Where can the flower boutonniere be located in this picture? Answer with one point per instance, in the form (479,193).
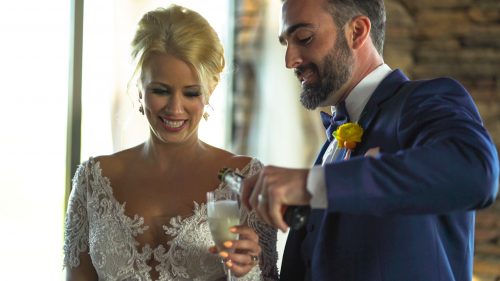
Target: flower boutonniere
(348,135)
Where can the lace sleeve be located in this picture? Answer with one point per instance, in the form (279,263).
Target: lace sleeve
(267,269)
(76,223)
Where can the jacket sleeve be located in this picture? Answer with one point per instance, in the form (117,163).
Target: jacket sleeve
(446,161)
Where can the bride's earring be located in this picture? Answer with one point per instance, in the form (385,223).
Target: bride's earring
(141,107)
(207,110)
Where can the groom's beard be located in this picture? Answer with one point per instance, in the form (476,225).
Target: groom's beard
(337,68)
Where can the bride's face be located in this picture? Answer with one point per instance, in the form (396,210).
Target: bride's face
(173,102)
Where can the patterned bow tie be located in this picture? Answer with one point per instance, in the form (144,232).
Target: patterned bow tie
(332,122)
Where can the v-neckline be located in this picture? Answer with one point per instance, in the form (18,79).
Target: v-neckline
(108,189)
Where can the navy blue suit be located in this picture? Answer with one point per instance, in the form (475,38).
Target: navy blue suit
(409,214)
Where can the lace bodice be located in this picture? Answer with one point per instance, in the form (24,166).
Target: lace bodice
(96,222)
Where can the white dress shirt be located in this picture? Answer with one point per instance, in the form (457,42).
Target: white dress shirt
(355,103)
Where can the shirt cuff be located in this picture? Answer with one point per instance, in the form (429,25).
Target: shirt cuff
(316,185)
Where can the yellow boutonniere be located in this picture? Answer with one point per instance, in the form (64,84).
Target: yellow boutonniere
(348,135)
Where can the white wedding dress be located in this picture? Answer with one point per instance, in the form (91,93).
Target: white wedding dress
(96,222)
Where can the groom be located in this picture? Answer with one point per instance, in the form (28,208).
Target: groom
(397,204)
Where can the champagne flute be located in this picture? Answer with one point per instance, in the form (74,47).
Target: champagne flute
(223,213)
(294,216)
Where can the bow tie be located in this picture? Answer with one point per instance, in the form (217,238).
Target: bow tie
(332,122)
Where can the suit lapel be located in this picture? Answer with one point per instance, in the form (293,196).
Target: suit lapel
(319,159)
(388,87)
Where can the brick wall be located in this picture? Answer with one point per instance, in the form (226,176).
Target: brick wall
(460,39)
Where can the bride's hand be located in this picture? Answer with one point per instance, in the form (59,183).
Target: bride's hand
(246,251)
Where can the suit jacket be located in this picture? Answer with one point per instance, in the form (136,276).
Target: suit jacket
(407,215)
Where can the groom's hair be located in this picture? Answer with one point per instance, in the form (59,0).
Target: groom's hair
(343,11)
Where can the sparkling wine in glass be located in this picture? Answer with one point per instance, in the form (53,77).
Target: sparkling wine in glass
(294,216)
(223,213)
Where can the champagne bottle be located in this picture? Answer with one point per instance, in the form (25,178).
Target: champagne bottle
(294,216)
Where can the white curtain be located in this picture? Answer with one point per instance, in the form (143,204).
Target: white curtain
(111,121)
(282,132)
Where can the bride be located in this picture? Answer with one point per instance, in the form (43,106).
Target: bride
(139,214)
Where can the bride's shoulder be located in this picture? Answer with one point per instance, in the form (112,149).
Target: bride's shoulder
(239,161)
(116,163)
(242,163)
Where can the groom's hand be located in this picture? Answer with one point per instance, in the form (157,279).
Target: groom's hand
(273,189)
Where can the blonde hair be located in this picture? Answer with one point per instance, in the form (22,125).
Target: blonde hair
(182,33)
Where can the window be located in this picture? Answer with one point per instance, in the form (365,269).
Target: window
(34,76)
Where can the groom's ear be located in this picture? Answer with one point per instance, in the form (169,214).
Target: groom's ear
(358,32)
